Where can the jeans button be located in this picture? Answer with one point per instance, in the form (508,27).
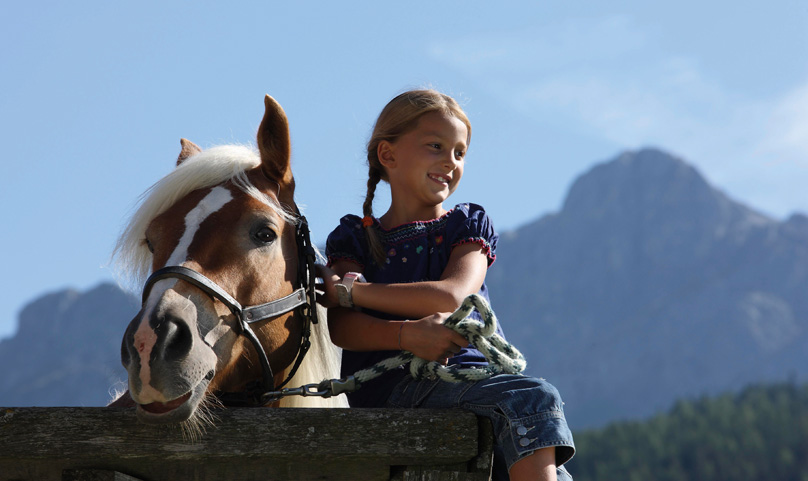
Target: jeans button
(521,430)
(524,442)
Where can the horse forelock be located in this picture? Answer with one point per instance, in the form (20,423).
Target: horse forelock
(206,169)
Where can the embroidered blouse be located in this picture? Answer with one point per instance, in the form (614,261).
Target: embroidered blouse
(417,251)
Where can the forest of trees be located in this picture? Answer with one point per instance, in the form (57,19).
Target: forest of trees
(758,434)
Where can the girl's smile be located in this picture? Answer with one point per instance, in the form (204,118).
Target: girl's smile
(440,178)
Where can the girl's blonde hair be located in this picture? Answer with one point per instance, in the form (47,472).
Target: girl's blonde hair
(399,117)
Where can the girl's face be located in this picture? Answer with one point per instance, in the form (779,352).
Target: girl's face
(424,166)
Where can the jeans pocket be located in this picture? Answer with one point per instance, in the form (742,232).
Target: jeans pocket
(410,393)
(422,390)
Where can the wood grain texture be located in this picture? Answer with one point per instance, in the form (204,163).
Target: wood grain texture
(247,444)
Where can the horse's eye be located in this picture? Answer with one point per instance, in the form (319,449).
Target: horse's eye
(265,235)
(149,245)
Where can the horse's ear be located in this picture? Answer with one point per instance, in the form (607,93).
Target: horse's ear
(274,143)
(188,149)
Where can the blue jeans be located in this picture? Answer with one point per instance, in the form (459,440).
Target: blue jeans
(527,414)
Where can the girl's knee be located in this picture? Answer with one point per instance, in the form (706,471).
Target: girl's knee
(551,396)
(539,394)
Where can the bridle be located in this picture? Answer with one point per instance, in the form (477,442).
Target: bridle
(260,393)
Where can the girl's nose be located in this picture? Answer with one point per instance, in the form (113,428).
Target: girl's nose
(452,161)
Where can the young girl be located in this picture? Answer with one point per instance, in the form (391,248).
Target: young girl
(396,278)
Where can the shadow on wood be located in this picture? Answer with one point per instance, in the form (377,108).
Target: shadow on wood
(84,444)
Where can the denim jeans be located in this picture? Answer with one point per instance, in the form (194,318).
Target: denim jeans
(527,414)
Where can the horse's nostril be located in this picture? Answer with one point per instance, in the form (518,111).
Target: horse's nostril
(174,336)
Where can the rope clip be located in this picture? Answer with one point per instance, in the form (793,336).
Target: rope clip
(325,389)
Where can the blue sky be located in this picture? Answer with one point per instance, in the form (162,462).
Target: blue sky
(94,97)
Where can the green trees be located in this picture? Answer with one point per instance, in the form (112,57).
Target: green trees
(758,434)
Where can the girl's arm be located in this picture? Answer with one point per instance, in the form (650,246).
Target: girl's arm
(428,303)
(464,274)
(427,337)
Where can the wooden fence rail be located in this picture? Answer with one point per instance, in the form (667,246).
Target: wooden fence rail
(246,444)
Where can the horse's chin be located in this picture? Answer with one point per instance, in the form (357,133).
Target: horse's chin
(174,411)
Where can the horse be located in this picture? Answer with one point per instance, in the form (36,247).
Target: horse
(219,232)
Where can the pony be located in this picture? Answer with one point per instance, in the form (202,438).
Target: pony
(219,232)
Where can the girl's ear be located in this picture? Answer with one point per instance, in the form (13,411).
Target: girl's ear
(386,154)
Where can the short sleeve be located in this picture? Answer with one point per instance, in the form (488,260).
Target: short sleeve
(472,225)
(347,242)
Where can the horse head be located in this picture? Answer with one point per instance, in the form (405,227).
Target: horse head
(228,214)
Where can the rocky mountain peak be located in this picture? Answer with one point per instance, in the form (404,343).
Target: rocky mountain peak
(639,181)
(67,348)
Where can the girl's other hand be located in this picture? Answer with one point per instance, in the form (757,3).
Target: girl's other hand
(330,278)
(429,339)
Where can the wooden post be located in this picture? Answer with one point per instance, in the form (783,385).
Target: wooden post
(84,444)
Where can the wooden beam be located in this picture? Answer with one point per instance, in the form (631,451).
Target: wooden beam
(284,444)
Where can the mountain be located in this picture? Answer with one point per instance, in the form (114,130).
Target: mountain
(651,285)
(67,349)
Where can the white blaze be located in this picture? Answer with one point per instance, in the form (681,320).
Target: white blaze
(215,200)
(145,337)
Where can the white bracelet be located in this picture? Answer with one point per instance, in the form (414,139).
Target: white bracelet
(344,288)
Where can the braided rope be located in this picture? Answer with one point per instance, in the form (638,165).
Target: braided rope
(502,356)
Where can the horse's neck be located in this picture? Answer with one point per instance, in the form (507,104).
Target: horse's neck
(321,362)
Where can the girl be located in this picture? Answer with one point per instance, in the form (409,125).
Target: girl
(396,278)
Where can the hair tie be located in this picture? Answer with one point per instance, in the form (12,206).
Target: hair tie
(367,221)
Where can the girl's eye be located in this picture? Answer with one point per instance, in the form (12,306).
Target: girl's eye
(265,235)
(460,155)
(435,146)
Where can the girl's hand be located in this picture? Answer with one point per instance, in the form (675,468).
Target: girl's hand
(330,278)
(429,339)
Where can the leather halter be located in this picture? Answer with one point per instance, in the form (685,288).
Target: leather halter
(304,297)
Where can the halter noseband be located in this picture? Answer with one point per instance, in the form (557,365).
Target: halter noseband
(304,297)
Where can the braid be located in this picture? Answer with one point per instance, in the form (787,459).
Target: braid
(374,242)
(373,181)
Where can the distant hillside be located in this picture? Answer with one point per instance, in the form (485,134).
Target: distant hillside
(650,285)
(760,433)
(67,349)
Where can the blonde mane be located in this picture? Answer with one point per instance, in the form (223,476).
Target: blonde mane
(205,169)
(322,362)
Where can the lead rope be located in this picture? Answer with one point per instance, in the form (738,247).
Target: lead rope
(502,356)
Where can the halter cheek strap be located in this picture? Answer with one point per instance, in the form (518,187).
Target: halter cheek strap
(247,315)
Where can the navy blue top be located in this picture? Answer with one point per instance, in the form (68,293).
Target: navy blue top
(417,251)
